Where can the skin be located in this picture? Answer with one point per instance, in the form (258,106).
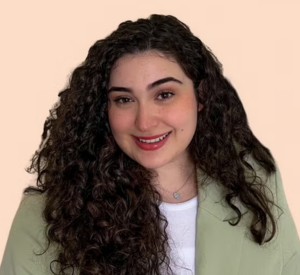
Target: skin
(168,107)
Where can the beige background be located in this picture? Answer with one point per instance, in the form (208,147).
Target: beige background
(43,41)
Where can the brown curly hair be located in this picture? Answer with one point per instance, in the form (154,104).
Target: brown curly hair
(101,207)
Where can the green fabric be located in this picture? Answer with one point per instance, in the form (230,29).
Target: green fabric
(220,247)
(227,250)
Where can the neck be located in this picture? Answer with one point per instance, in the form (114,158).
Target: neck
(177,183)
(189,191)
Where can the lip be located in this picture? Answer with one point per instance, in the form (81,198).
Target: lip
(151,146)
(153,137)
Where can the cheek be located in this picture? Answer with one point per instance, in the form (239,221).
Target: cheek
(184,113)
(119,122)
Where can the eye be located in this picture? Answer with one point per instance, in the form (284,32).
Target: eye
(164,95)
(122,100)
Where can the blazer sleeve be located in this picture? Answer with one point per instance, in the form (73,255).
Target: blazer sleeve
(26,240)
(288,235)
(292,267)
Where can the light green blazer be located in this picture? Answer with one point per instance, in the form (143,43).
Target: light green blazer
(221,249)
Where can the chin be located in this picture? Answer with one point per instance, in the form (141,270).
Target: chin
(151,164)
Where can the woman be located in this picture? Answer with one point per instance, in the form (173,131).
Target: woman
(148,166)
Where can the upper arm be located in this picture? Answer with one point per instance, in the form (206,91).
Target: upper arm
(27,239)
(289,238)
(292,266)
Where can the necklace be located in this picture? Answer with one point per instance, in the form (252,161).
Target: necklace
(176,194)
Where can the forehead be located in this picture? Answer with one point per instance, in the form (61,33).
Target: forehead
(147,66)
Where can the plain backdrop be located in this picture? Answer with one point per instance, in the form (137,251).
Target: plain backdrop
(43,41)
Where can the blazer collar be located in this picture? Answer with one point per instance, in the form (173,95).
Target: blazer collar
(211,196)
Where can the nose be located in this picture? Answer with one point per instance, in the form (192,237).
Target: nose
(146,118)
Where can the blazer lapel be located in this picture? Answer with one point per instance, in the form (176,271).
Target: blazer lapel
(218,244)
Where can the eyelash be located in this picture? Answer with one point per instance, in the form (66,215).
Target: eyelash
(122,98)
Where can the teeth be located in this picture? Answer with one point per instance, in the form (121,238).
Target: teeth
(153,140)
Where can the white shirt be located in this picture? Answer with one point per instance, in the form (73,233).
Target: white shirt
(181,231)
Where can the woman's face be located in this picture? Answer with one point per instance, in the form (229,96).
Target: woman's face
(152,109)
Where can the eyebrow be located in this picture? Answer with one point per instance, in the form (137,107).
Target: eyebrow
(149,86)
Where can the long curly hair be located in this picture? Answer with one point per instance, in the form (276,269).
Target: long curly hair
(100,206)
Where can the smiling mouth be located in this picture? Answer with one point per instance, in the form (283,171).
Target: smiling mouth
(154,140)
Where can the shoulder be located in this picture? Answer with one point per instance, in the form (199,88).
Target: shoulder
(29,214)
(287,235)
(287,231)
(27,239)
